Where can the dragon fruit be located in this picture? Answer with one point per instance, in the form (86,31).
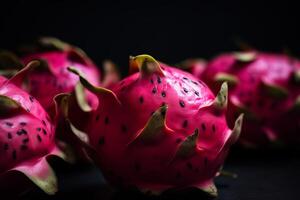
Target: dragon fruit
(27,134)
(266,88)
(54,78)
(158,129)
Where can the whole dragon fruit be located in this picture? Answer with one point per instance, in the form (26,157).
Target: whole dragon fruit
(56,56)
(26,134)
(158,129)
(266,88)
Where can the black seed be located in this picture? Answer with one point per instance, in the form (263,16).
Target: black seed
(205,161)
(14,154)
(38,129)
(213,128)
(197,93)
(154,90)
(185,90)
(31,98)
(101,140)
(45,132)
(9,136)
(97,117)
(181,103)
(106,120)
(151,80)
(141,99)
(5,146)
(158,80)
(185,124)
(23,123)
(185,78)
(123,128)
(39,138)
(178,140)
(163,94)
(44,122)
(217,112)
(203,126)
(23,147)
(178,175)
(195,82)
(25,140)
(9,124)
(21,132)
(27,109)
(189,165)
(137,167)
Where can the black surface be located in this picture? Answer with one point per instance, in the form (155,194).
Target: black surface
(261,175)
(170,31)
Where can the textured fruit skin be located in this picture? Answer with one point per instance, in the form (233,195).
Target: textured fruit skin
(140,129)
(268,118)
(45,84)
(26,135)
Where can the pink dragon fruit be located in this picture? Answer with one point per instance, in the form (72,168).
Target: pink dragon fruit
(158,129)
(26,134)
(56,56)
(266,88)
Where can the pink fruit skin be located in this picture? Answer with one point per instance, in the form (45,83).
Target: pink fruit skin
(12,137)
(44,85)
(26,136)
(116,127)
(269,118)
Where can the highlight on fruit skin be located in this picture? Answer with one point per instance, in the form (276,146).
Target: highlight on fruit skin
(27,134)
(264,86)
(158,129)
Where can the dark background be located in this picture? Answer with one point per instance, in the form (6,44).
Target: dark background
(170,31)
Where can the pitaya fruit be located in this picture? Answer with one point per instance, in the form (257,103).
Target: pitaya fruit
(54,78)
(266,88)
(26,134)
(158,129)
